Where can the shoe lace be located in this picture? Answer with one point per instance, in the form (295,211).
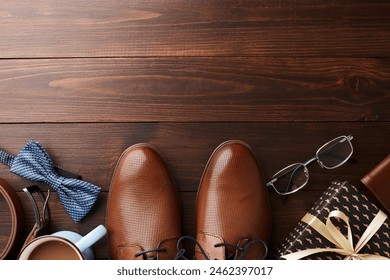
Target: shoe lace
(181,251)
(244,249)
(144,252)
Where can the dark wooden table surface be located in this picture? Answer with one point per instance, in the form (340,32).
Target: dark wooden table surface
(90,78)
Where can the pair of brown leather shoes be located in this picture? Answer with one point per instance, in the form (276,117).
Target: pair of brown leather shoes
(233,210)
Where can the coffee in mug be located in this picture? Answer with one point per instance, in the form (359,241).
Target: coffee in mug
(63,245)
(51,248)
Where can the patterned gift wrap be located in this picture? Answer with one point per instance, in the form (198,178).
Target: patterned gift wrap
(357,209)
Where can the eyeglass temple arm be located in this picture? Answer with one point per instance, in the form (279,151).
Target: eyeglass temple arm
(273,180)
(295,170)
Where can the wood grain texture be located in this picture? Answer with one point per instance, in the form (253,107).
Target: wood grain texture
(90,78)
(97,28)
(194,90)
(92,150)
(296,206)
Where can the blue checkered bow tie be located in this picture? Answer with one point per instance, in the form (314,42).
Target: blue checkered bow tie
(33,163)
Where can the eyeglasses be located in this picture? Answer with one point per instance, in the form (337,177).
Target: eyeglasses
(295,176)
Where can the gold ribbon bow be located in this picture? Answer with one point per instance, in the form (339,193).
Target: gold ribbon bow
(344,246)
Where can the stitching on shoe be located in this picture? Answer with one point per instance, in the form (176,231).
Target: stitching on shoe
(122,247)
(212,235)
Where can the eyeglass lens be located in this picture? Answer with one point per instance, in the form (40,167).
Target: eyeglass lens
(291,178)
(335,153)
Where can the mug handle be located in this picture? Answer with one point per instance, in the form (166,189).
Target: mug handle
(91,238)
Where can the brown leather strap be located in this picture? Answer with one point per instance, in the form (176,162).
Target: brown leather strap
(41,222)
(16,211)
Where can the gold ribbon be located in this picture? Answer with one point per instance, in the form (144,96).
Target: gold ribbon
(344,246)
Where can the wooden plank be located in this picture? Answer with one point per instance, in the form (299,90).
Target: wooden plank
(194,90)
(90,78)
(61,221)
(93,149)
(120,28)
(285,215)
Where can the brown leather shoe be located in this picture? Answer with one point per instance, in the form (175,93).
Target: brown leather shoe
(143,211)
(233,209)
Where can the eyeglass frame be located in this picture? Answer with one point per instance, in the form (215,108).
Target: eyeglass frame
(275,177)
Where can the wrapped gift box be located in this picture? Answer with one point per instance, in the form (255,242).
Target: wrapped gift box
(346,205)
